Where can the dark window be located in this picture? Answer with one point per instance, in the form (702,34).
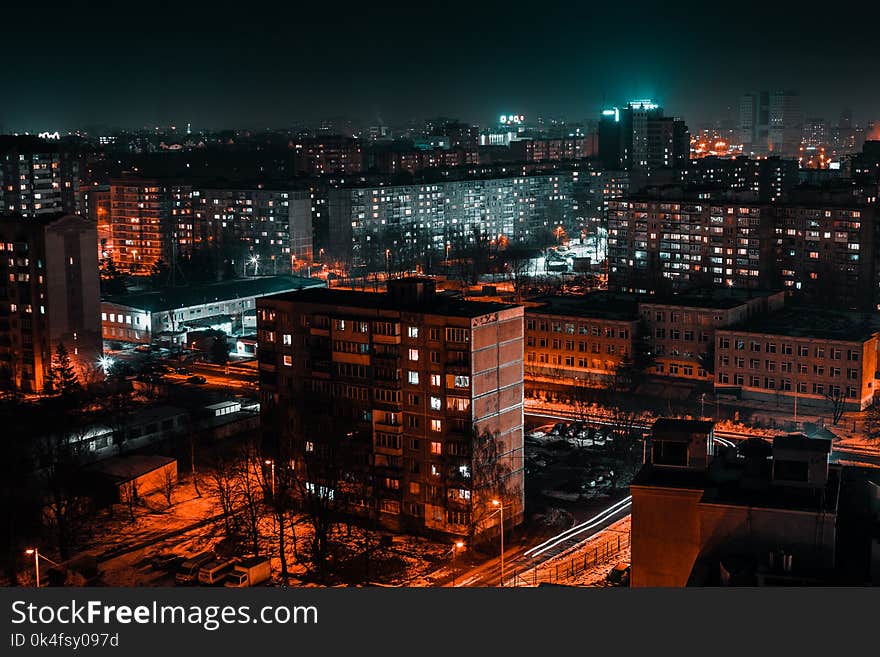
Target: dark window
(669,453)
(789,470)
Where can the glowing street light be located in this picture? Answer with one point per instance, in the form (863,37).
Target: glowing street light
(271,463)
(36,553)
(255,261)
(458,545)
(500,506)
(106,363)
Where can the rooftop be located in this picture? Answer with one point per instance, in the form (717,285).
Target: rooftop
(132,466)
(192,295)
(724,484)
(597,305)
(667,427)
(721,299)
(811,322)
(436,304)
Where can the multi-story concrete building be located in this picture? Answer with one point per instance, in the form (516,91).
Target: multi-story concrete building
(141,227)
(769,179)
(771,122)
(405,388)
(818,246)
(36,179)
(800,356)
(49,294)
(405,220)
(640,139)
(168,314)
(329,154)
(704,515)
(579,341)
(656,244)
(262,230)
(681,329)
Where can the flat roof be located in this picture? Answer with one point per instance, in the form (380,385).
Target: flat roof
(802,442)
(132,466)
(596,305)
(668,427)
(812,322)
(171,298)
(719,298)
(439,303)
(733,492)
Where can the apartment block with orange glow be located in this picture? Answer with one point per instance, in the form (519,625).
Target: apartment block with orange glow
(804,356)
(417,379)
(139,216)
(579,341)
(681,328)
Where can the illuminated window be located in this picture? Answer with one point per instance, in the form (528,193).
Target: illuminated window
(436,425)
(288,360)
(436,448)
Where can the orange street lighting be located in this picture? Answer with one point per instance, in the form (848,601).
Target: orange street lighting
(500,506)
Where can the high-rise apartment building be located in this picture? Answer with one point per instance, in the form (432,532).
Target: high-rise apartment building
(771,122)
(820,247)
(141,225)
(36,179)
(367,225)
(639,138)
(49,293)
(406,405)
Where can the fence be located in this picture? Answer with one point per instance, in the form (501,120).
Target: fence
(566,567)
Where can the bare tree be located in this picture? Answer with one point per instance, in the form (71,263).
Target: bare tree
(128,496)
(837,400)
(247,474)
(169,483)
(226,488)
(494,477)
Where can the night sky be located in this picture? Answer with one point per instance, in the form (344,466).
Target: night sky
(251,64)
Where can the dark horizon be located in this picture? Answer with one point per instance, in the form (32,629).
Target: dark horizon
(220,66)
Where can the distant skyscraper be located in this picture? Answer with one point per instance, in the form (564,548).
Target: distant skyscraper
(771,122)
(640,138)
(786,123)
(754,119)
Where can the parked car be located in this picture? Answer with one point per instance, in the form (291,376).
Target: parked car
(182,370)
(213,572)
(166,561)
(196,378)
(619,575)
(248,572)
(188,572)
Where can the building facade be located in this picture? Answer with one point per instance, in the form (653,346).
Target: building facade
(803,357)
(170,313)
(49,294)
(577,341)
(411,220)
(416,383)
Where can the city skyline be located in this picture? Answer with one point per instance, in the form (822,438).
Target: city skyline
(219,69)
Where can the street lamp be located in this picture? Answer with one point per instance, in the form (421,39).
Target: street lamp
(36,553)
(271,463)
(500,506)
(702,405)
(458,545)
(255,261)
